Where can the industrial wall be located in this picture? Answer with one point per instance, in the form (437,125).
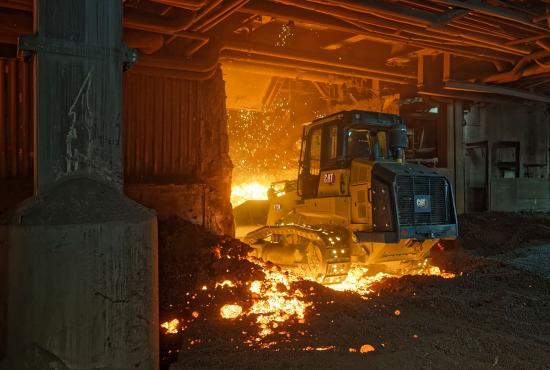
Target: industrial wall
(176,148)
(175,135)
(506,157)
(16,156)
(16,133)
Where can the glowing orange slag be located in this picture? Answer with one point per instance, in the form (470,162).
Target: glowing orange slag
(171,326)
(360,281)
(366,348)
(434,270)
(231,311)
(321,348)
(273,301)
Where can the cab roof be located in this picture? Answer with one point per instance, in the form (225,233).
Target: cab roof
(358,118)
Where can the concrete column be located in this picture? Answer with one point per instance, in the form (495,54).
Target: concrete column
(459,174)
(450,121)
(455,152)
(82,270)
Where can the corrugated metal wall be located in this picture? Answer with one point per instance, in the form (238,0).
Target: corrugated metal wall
(164,121)
(175,133)
(162,129)
(16,131)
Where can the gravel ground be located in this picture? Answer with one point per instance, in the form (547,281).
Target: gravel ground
(495,314)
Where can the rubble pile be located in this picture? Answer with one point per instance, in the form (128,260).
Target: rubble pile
(492,233)
(220,309)
(212,294)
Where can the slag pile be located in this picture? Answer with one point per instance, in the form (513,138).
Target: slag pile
(210,290)
(214,295)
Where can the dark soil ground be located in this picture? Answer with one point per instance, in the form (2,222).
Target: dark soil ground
(493,315)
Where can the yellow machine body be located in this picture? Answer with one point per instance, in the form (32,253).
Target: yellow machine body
(370,209)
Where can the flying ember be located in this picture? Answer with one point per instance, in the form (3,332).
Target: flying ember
(171,326)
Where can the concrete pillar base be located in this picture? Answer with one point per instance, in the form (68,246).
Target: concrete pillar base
(82,280)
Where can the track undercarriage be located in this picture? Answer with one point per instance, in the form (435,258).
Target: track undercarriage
(320,253)
(326,253)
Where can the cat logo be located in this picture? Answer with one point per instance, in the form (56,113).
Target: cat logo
(329,178)
(422,203)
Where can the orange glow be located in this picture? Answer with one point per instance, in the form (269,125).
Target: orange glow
(360,281)
(225,283)
(274,303)
(171,326)
(273,299)
(321,348)
(231,311)
(366,348)
(248,191)
(434,270)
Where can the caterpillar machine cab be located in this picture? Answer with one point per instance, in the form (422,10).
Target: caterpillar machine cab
(356,202)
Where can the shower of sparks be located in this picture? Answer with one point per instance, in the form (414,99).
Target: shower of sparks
(264,148)
(285,35)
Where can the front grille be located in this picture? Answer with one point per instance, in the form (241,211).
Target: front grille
(436,187)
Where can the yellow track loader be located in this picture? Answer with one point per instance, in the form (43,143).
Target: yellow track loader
(356,201)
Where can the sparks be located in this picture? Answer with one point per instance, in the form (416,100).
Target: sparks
(225,283)
(171,326)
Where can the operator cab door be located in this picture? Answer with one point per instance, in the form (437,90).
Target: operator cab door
(361,197)
(310,166)
(321,151)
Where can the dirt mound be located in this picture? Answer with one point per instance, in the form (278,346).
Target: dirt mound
(490,315)
(494,232)
(200,273)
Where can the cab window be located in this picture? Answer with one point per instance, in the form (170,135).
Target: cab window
(362,143)
(315,152)
(358,144)
(333,141)
(383,141)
